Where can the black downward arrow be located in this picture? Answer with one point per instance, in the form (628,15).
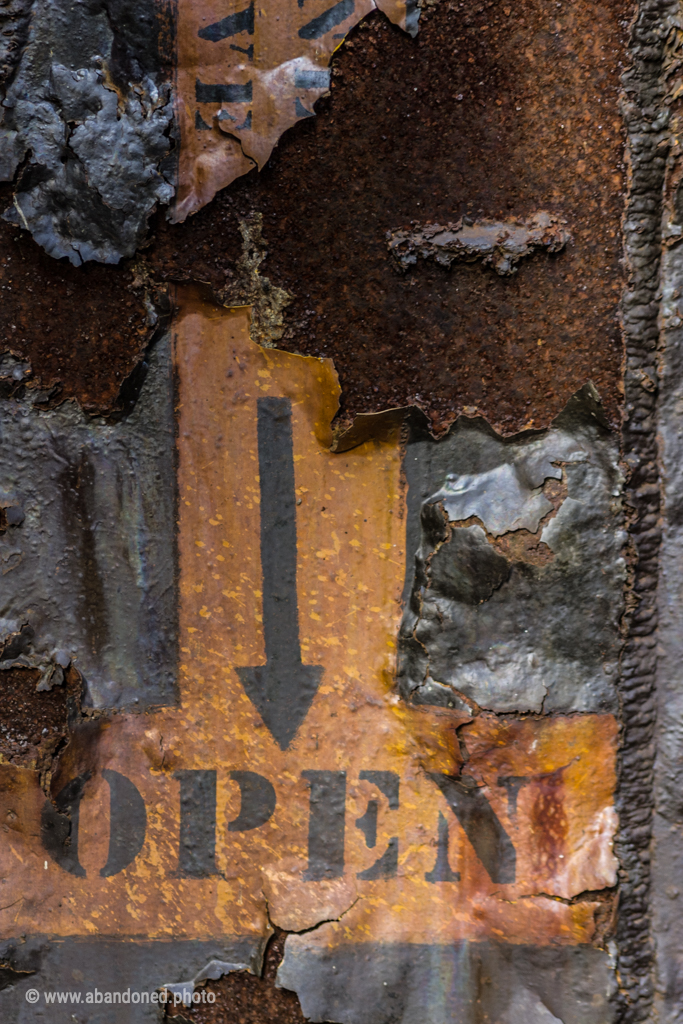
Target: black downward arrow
(283,689)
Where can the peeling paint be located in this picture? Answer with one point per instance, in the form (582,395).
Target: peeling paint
(90,113)
(83,966)
(430,984)
(509,628)
(212,971)
(247,74)
(394,147)
(500,246)
(205,599)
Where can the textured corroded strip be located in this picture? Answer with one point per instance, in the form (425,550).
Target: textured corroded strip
(646,120)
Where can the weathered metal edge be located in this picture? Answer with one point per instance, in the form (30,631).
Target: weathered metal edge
(646,118)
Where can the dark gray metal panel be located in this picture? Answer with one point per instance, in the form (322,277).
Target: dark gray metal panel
(667,862)
(81,965)
(90,568)
(94,152)
(467,983)
(509,632)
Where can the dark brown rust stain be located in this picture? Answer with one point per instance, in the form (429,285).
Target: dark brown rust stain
(549,822)
(243,999)
(81,754)
(77,484)
(83,329)
(496,111)
(33,724)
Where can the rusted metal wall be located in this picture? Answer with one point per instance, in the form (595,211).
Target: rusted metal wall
(339,621)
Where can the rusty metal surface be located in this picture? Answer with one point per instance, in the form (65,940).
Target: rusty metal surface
(402,340)
(537,127)
(34,723)
(246,998)
(483,870)
(497,245)
(102,123)
(83,330)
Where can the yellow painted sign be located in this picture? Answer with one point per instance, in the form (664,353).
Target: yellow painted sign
(290,782)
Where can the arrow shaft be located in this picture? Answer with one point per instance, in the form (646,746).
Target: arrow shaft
(278,530)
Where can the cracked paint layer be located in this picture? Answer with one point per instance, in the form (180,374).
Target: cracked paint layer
(392,135)
(475,540)
(516,594)
(87,114)
(290,785)
(91,110)
(394,146)
(498,245)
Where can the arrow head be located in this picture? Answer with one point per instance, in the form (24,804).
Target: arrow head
(282,694)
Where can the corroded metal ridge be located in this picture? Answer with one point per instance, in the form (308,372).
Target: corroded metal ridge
(646,117)
(667,828)
(498,245)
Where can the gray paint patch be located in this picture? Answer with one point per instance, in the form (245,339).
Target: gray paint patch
(508,632)
(93,152)
(81,965)
(371,983)
(88,574)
